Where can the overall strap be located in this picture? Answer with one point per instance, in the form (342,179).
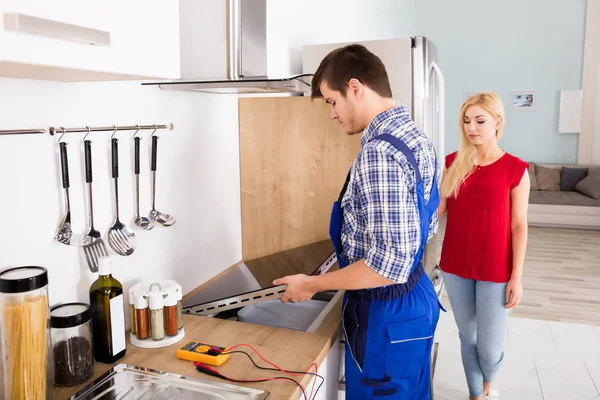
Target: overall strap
(343,192)
(400,145)
(403,147)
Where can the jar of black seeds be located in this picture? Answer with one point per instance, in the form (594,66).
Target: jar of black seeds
(72,343)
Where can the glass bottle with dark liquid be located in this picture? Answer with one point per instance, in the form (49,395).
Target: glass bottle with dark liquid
(108,318)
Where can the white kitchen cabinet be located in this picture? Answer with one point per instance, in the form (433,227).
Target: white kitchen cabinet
(143,39)
(331,369)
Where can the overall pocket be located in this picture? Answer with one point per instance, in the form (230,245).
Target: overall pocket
(407,358)
(408,339)
(407,349)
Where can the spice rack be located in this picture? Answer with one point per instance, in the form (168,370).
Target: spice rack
(156,313)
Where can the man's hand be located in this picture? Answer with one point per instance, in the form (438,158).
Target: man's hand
(299,288)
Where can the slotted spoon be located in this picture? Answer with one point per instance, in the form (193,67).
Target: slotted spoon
(97,249)
(120,238)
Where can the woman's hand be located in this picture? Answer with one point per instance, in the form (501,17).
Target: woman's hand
(514,292)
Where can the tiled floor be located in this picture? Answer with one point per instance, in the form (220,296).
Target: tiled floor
(553,336)
(544,360)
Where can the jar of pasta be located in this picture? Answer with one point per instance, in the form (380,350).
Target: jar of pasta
(27,357)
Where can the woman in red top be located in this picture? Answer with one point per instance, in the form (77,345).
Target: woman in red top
(485,192)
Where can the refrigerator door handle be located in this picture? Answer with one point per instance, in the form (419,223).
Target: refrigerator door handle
(438,106)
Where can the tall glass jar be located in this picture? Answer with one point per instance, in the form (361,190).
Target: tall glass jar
(27,356)
(72,343)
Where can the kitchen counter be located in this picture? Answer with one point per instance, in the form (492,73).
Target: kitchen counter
(289,349)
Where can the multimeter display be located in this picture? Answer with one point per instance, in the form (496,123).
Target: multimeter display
(202,352)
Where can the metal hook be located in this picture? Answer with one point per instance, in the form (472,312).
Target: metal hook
(88,132)
(63,134)
(113,134)
(136,132)
(155,129)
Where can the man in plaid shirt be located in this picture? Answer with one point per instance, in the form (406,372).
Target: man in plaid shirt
(384,216)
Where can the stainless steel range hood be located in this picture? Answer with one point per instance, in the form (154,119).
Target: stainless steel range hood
(294,85)
(246,58)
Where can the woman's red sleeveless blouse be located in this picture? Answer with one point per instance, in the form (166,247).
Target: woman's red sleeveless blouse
(477,243)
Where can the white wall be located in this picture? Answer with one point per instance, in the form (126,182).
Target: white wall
(483,47)
(589,135)
(292,24)
(198,181)
(198,165)
(596,132)
(385,19)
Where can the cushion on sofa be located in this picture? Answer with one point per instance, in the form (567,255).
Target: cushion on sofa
(590,185)
(570,177)
(562,198)
(595,169)
(532,178)
(547,178)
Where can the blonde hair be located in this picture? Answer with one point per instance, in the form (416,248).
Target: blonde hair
(466,158)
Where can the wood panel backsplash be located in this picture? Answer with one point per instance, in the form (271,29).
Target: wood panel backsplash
(294,160)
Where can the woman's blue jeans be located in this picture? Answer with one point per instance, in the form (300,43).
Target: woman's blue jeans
(479,312)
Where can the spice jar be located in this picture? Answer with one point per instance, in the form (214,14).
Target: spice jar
(179,306)
(170,311)
(132,310)
(141,317)
(157,324)
(72,343)
(24,331)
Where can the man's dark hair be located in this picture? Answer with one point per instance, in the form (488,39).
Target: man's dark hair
(345,63)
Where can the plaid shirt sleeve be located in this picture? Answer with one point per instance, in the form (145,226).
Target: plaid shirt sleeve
(390,214)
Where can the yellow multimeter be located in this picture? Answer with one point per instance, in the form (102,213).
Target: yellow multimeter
(202,352)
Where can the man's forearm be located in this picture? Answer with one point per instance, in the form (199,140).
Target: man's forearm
(353,277)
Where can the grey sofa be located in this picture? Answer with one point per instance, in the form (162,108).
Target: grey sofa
(564,195)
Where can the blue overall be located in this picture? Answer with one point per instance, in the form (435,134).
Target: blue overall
(389,330)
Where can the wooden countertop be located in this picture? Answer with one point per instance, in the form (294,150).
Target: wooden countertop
(289,349)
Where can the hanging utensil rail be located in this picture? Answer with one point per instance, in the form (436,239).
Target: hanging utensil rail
(53,130)
(24,132)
